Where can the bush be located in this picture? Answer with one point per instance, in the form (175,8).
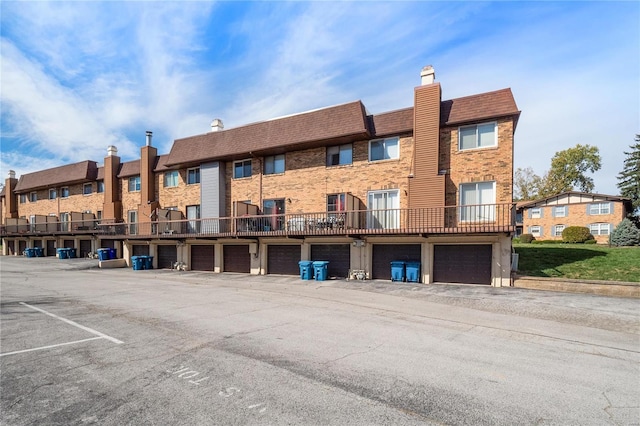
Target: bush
(625,234)
(547,242)
(593,241)
(576,234)
(526,238)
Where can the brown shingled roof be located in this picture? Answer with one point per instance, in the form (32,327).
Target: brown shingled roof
(479,107)
(393,122)
(161,162)
(340,123)
(85,171)
(129,168)
(100,173)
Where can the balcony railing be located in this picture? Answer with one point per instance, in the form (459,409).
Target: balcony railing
(486,218)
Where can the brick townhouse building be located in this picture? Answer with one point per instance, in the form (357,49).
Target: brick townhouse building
(431,183)
(546,218)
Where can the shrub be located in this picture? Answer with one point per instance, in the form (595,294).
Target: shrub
(625,234)
(515,240)
(547,242)
(576,234)
(592,241)
(526,238)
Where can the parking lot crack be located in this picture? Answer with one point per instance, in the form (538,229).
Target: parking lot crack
(352,354)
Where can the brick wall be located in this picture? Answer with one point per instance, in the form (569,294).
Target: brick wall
(179,196)
(75,202)
(130,200)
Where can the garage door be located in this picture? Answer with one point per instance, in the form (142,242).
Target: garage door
(37,243)
(51,248)
(384,254)
(167,256)
(283,259)
(85,248)
(68,244)
(202,258)
(108,244)
(236,259)
(22,246)
(470,264)
(139,250)
(338,255)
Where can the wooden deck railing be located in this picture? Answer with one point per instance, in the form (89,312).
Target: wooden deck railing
(486,218)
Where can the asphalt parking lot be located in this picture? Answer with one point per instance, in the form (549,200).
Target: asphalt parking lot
(80,345)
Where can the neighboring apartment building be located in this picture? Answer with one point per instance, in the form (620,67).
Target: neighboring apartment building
(431,183)
(546,218)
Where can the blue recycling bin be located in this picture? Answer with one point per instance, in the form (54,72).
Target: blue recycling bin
(412,270)
(306,269)
(29,252)
(137,262)
(72,253)
(397,270)
(148,262)
(112,253)
(39,251)
(320,268)
(103,253)
(63,253)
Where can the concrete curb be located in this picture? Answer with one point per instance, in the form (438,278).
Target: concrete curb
(604,288)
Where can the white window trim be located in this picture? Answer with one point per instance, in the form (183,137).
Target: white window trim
(242,161)
(599,212)
(478,211)
(600,226)
(564,211)
(495,136)
(339,148)
(384,140)
(62,190)
(536,212)
(555,230)
(536,230)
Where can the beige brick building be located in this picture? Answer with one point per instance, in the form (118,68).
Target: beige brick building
(430,185)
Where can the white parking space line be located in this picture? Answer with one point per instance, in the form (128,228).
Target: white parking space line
(82,327)
(50,346)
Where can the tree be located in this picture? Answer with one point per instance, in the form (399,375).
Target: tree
(629,177)
(526,184)
(625,234)
(569,168)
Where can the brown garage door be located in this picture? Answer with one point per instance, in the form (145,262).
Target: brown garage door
(202,258)
(470,264)
(37,243)
(236,258)
(108,244)
(140,250)
(22,246)
(384,254)
(51,248)
(283,259)
(167,256)
(85,248)
(68,244)
(338,255)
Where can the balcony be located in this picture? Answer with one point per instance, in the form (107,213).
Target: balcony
(470,219)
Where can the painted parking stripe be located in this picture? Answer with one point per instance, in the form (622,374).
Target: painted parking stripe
(50,346)
(75,324)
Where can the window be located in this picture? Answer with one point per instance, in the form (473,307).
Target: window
(339,155)
(99,215)
(599,208)
(560,211)
(478,201)
(87,189)
(336,202)
(33,197)
(100,186)
(557,230)
(241,169)
(384,209)
(134,184)
(477,136)
(274,164)
(384,149)
(193,176)
(171,179)
(132,216)
(64,221)
(193,213)
(53,194)
(23,198)
(275,210)
(536,231)
(535,213)
(600,228)
(64,192)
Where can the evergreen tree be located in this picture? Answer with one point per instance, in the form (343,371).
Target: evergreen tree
(625,234)
(629,178)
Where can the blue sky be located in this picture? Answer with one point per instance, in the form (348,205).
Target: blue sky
(79,76)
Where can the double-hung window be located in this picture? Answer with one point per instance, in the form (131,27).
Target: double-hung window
(477,201)
(171,179)
(241,169)
(53,194)
(477,136)
(560,211)
(193,176)
(87,189)
(535,213)
(600,208)
(557,230)
(64,192)
(339,155)
(134,184)
(536,231)
(33,197)
(274,164)
(384,149)
(600,228)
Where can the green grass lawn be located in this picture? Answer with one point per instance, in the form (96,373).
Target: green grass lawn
(579,261)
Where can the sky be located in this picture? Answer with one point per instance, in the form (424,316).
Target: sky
(76,77)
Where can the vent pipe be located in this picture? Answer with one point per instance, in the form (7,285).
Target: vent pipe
(217,125)
(112,151)
(428,75)
(149,134)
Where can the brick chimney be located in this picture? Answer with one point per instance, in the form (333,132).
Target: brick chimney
(112,208)
(148,202)
(11,199)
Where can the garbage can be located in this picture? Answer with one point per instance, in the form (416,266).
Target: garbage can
(413,272)
(306,269)
(103,253)
(62,253)
(320,268)
(397,270)
(39,251)
(137,263)
(29,252)
(112,253)
(148,262)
